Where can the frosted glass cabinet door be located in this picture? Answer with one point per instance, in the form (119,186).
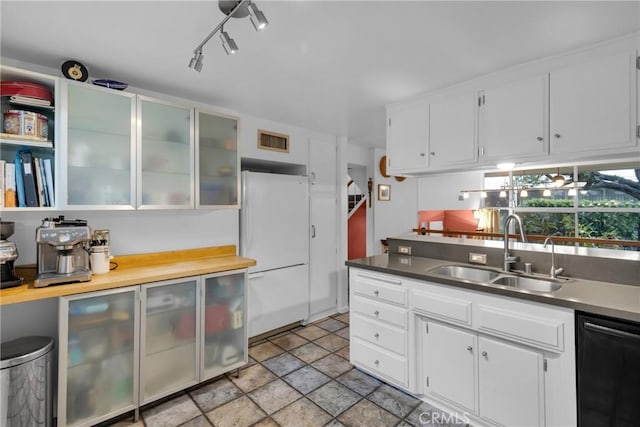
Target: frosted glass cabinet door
(217,160)
(98,356)
(224,323)
(165,157)
(100,147)
(169,338)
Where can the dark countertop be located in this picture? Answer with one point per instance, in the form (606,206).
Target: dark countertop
(605,298)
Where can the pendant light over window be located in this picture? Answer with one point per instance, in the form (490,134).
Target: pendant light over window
(558,180)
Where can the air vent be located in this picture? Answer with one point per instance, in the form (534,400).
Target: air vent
(273,141)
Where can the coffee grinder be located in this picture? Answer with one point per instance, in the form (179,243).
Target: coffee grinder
(8,256)
(63,251)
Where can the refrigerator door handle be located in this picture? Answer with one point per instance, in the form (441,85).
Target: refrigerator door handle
(246,234)
(313,231)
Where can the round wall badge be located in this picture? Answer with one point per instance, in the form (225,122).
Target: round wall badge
(74,70)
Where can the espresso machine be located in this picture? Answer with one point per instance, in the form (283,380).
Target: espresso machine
(8,256)
(63,251)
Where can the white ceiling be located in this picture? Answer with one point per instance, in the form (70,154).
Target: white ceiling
(330,66)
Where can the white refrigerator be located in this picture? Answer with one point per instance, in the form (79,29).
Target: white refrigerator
(274,230)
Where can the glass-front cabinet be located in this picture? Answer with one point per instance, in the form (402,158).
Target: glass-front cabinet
(98,356)
(100,147)
(170,337)
(217,160)
(165,155)
(224,323)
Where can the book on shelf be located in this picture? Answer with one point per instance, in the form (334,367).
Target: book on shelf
(24,162)
(48,174)
(2,185)
(37,173)
(9,185)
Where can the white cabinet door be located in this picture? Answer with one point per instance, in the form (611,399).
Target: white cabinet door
(452,130)
(408,137)
(511,384)
(593,106)
(450,364)
(513,120)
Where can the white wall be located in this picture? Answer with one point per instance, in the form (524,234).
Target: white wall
(397,216)
(442,191)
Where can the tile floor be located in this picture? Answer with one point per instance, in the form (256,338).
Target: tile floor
(299,378)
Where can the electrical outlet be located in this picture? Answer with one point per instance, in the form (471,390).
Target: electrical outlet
(404,250)
(478,258)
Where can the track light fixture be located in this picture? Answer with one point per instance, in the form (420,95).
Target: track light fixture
(233,9)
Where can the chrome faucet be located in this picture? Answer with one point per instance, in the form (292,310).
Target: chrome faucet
(553,272)
(508,259)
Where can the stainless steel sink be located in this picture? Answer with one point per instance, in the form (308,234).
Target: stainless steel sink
(528,283)
(466,273)
(493,277)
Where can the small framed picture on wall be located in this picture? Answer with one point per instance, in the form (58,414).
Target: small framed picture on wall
(384,192)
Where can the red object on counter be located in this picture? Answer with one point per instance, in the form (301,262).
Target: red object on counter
(26,89)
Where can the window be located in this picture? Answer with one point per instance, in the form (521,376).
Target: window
(586,201)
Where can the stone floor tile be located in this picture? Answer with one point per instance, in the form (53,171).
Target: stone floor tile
(274,396)
(344,317)
(306,379)
(171,413)
(265,351)
(312,332)
(344,352)
(252,378)
(359,382)
(200,421)
(393,400)
(365,413)
(212,395)
(334,423)
(309,352)
(289,341)
(302,412)
(332,342)
(332,365)
(344,333)
(283,364)
(334,397)
(331,324)
(241,412)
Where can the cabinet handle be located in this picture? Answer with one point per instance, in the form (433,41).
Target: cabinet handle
(376,293)
(376,362)
(540,138)
(422,154)
(433,153)
(376,335)
(376,313)
(556,135)
(469,348)
(484,354)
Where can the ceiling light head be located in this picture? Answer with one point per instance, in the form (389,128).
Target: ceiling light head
(483,194)
(503,193)
(546,193)
(558,180)
(196,62)
(228,43)
(572,192)
(524,192)
(257,18)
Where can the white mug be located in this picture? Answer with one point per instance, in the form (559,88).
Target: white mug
(100,259)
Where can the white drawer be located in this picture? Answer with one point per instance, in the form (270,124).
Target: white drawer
(378,333)
(518,326)
(380,288)
(380,311)
(388,365)
(442,307)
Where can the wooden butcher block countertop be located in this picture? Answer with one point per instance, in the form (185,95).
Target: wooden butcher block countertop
(134,270)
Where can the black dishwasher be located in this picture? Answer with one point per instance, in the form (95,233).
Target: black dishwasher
(608,364)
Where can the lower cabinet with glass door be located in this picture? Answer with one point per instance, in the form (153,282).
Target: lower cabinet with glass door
(127,347)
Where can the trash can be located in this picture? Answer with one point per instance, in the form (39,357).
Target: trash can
(25,382)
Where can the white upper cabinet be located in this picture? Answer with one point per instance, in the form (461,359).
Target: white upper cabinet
(408,137)
(513,120)
(452,130)
(593,106)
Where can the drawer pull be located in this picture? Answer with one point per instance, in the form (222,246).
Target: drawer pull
(484,354)
(377,362)
(376,335)
(469,348)
(376,313)
(376,293)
